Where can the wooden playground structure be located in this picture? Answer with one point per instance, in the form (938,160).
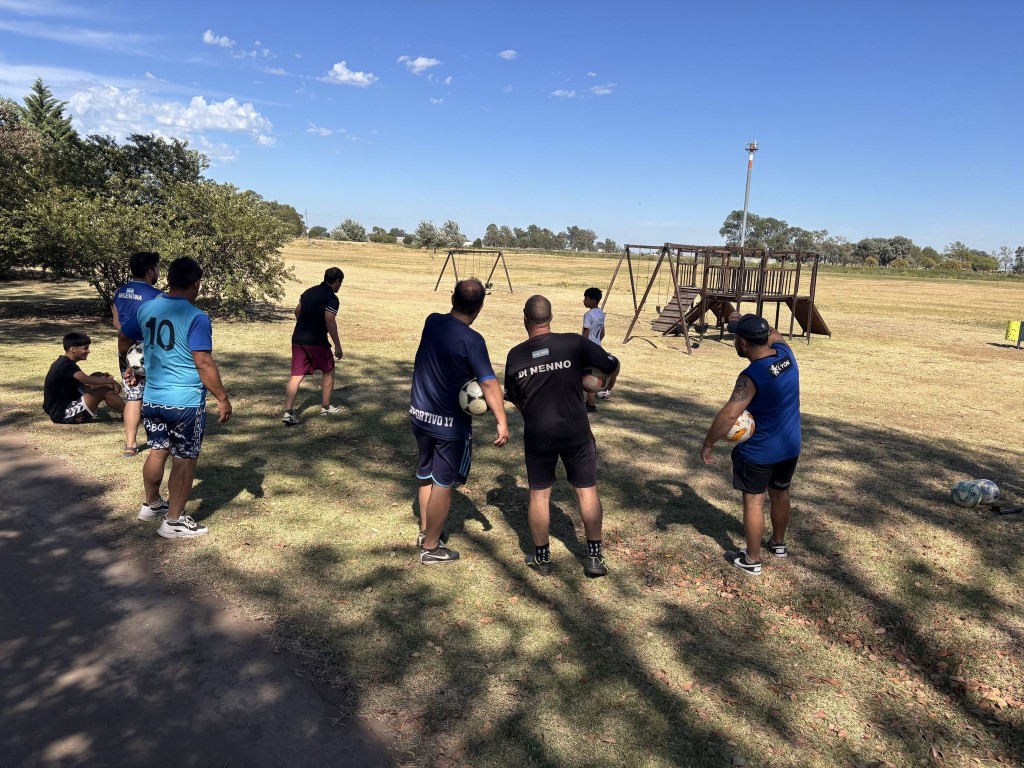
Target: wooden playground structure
(474,254)
(719,279)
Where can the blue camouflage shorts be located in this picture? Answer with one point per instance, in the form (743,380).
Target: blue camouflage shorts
(178,430)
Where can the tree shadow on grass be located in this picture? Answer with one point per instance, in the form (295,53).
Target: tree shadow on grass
(514,502)
(94,651)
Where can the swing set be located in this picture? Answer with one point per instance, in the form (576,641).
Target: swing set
(473,258)
(718,280)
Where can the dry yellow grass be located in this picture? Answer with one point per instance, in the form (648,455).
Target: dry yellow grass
(892,633)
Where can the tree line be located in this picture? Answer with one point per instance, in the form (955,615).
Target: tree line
(78,207)
(449,235)
(767,233)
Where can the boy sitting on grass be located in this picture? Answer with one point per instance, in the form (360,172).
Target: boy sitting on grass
(71,397)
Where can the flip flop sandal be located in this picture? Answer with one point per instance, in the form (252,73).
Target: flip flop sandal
(129,452)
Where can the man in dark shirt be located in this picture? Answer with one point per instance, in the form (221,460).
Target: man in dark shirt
(449,354)
(69,395)
(543,378)
(769,387)
(316,316)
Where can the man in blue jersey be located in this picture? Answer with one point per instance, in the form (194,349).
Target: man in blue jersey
(769,387)
(178,341)
(145,269)
(450,353)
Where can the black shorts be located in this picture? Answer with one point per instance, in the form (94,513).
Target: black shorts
(580,462)
(443,462)
(758,478)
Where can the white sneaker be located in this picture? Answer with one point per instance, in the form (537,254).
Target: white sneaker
(604,394)
(155,511)
(329,410)
(289,419)
(182,528)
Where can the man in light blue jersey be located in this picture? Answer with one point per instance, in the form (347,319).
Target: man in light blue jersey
(180,369)
(145,269)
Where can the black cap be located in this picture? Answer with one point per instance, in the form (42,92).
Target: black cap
(750,327)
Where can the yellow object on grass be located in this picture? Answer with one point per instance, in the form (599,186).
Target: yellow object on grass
(1013,330)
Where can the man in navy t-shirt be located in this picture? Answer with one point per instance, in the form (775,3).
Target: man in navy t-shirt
(770,389)
(145,269)
(450,353)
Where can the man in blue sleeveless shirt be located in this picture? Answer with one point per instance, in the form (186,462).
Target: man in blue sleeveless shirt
(770,389)
(145,269)
(180,368)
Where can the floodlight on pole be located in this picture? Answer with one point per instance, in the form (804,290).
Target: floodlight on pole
(751,148)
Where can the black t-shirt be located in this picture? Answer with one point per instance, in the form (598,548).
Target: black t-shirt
(311,327)
(60,388)
(543,378)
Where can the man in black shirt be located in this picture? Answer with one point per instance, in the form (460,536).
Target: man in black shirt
(315,317)
(543,379)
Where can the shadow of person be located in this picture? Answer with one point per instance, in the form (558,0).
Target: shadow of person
(462,511)
(218,484)
(513,502)
(683,506)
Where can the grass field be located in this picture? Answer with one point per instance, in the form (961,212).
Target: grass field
(893,634)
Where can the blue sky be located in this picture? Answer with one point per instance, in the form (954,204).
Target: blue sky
(874,118)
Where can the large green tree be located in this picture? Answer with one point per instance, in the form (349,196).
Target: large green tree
(236,237)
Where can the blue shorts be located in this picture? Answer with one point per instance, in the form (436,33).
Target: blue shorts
(580,462)
(758,478)
(178,430)
(444,462)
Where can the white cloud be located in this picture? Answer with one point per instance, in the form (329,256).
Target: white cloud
(41,8)
(447,80)
(436,101)
(507,88)
(125,42)
(340,74)
(275,71)
(220,40)
(564,94)
(108,110)
(316,129)
(591,74)
(259,51)
(509,55)
(419,65)
(602,90)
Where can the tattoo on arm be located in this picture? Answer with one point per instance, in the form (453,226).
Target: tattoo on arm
(742,389)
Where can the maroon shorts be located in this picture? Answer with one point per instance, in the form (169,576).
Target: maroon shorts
(306,359)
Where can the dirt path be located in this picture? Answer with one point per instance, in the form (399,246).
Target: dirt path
(103,664)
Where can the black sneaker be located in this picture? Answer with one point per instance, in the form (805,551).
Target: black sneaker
(593,566)
(440,554)
(591,408)
(542,567)
(739,559)
(421,536)
(779,550)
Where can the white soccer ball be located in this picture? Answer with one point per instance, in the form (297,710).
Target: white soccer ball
(136,359)
(742,428)
(966,493)
(989,491)
(471,398)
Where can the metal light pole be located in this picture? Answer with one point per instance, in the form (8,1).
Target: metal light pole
(751,148)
